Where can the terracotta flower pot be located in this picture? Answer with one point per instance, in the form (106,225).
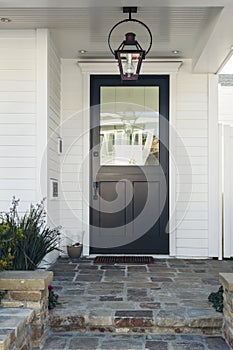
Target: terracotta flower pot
(74,251)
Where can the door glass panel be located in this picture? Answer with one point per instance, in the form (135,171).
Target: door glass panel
(129,125)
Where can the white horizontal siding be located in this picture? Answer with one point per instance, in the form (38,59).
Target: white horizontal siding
(192,126)
(192,164)
(194,243)
(226,104)
(54,115)
(17,117)
(12,85)
(194,234)
(71,205)
(18,129)
(17,150)
(15,184)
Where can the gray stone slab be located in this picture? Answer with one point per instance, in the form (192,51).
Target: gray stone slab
(188,346)
(55,342)
(216,343)
(156,345)
(121,344)
(82,343)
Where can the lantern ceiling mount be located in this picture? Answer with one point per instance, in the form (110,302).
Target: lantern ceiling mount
(130,53)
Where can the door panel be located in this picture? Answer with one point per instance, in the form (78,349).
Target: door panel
(108,194)
(129,165)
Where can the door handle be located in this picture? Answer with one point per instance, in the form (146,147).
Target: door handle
(95,190)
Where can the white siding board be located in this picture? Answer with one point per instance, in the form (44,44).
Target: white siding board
(20,162)
(184,160)
(190,133)
(196,188)
(192,167)
(71,205)
(192,151)
(192,215)
(70,186)
(191,124)
(11,107)
(192,243)
(194,141)
(195,179)
(18,96)
(18,129)
(27,194)
(15,184)
(193,225)
(192,115)
(17,119)
(53,127)
(17,140)
(191,252)
(194,206)
(18,54)
(73,196)
(13,86)
(72,157)
(17,150)
(226,104)
(25,64)
(17,173)
(17,74)
(194,197)
(199,234)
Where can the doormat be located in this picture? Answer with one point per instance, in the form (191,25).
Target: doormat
(124,260)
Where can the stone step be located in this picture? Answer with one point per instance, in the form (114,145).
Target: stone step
(92,341)
(14,328)
(137,321)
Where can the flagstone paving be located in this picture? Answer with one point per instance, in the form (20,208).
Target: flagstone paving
(128,303)
(85,341)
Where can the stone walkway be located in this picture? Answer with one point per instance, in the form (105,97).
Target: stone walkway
(134,342)
(133,305)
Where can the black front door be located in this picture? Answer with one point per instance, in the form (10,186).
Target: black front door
(129,165)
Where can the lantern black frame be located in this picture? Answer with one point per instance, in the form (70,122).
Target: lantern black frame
(121,49)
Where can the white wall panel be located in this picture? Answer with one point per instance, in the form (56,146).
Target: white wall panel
(72,202)
(17,117)
(53,129)
(226,104)
(192,127)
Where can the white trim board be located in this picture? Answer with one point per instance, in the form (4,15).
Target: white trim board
(104,67)
(41,112)
(214,178)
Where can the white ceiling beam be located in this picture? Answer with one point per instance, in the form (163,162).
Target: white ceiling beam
(218,45)
(111,3)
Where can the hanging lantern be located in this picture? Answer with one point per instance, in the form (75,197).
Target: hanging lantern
(130,53)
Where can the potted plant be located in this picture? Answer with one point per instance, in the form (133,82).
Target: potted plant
(74,251)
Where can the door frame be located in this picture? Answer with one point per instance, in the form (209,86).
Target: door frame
(155,67)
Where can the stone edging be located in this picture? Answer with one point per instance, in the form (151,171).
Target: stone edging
(28,292)
(226,280)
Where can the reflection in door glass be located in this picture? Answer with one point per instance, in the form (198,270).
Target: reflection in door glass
(129,125)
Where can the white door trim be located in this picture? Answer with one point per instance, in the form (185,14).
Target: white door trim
(154,67)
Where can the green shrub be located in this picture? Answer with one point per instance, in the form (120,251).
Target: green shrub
(216,298)
(10,235)
(28,237)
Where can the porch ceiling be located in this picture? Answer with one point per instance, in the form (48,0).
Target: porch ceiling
(200,30)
